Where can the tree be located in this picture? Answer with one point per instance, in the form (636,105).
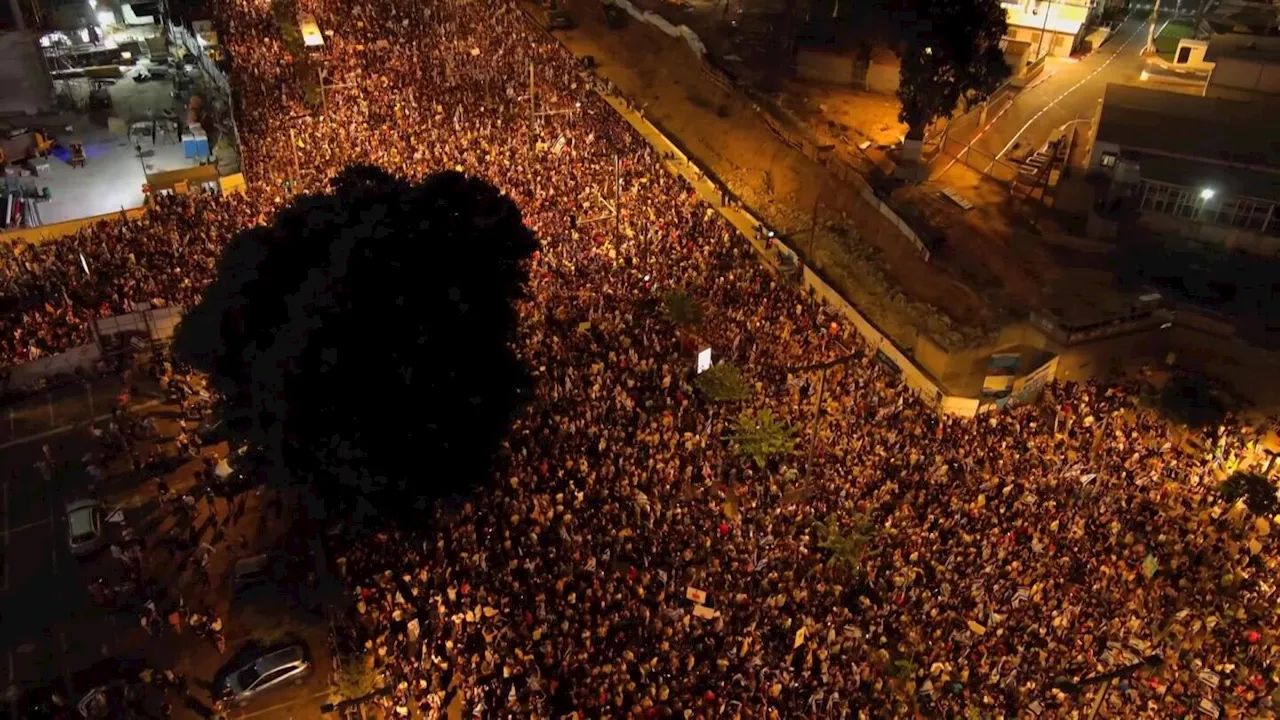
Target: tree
(1190,400)
(683,310)
(846,544)
(760,436)
(368,335)
(355,677)
(723,383)
(1258,493)
(951,58)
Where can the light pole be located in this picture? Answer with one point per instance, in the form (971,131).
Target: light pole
(1151,29)
(815,423)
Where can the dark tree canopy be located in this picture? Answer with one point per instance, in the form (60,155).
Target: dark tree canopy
(1258,493)
(369,333)
(1190,400)
(951,57)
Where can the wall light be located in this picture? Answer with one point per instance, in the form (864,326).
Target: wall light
(1207,194)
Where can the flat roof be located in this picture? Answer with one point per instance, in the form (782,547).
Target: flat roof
(1192,126)
(1224,180)
(1243,46)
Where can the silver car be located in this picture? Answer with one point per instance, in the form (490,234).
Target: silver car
(84,526)
(264,672)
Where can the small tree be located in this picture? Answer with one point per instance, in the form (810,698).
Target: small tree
(1258,493)
(723,383)
(846,546)
(355,678)
(760,436)
(951,57)
(682,309)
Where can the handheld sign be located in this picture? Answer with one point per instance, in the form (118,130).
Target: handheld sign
(704,361)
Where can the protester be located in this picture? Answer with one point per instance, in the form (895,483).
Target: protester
(1060,540)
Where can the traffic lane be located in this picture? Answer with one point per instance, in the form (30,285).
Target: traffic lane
(1111,63)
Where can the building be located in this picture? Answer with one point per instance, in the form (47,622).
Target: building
(1051,27)
(1245,67)
(1201,167)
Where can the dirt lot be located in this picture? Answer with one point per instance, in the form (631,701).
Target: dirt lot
(876,269)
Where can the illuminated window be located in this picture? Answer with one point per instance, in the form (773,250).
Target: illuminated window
(1108,159)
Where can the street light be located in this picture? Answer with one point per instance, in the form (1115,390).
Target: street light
(1207,194)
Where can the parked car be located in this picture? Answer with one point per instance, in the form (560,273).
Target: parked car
(254,570)
(263,672)
(85,520)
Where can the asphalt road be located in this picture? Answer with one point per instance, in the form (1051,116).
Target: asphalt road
(50,632)
(1072,92)
(48,627)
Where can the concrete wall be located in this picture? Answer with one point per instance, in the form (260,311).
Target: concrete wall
(45,233)
(1057,44)
(825,67)
(1195,54)
(1232,238)
(1238,74)
(883,76)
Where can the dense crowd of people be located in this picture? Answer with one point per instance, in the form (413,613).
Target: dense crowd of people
(627,561)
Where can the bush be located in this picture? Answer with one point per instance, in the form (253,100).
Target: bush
(723,383)
(761,436)
(1258,493)
(682,309)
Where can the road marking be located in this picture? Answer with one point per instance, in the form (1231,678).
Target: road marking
(273,708)
(6,550)
(13,688)
(46,434)
(53,551)
(1071,89)
(66,663)
(20,528)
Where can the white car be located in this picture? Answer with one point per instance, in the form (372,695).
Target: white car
(85,519)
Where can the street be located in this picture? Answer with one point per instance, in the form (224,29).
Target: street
(52,635)
(1073,92)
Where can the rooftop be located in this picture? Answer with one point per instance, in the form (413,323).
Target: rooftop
(1190,126)
(1260,48)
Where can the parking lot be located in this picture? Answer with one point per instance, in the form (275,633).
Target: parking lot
(51,632)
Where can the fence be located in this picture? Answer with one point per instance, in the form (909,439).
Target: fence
(963,152)
(677,31)
(968,124)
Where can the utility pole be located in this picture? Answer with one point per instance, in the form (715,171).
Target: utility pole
(1151,29)
(1107,679)
(1044,26)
